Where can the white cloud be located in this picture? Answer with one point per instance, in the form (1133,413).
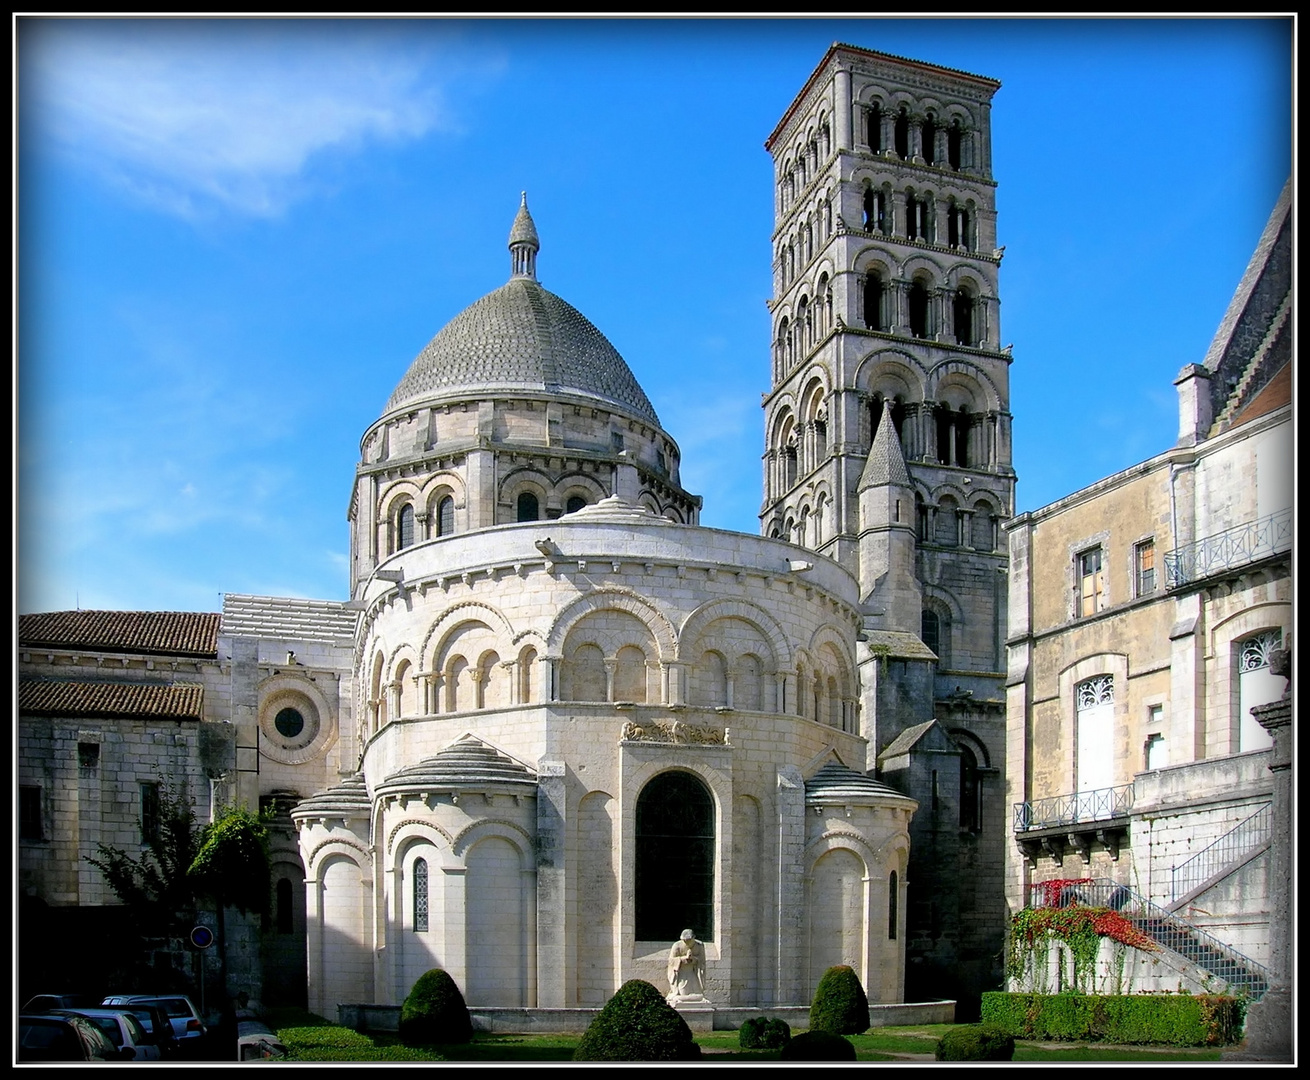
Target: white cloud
(192,113)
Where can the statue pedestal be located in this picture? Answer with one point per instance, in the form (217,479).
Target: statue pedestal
(698,1012)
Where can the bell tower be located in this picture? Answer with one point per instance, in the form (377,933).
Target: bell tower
(886,314)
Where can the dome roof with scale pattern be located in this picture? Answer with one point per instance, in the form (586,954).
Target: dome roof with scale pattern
(522,338)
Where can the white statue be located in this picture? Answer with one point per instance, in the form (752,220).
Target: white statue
(686,969)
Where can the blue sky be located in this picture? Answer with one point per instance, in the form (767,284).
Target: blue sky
(235,236)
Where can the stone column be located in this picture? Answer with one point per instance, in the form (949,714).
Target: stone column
(553,962)
(842,109)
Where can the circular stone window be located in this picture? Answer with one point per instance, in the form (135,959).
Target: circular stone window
(289,723)
(295,720)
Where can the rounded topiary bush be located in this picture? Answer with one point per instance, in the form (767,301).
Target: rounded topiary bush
(840,1005)
(764,1033)
(818,1046)
(637,1024)
(435,1012)
(975,1042)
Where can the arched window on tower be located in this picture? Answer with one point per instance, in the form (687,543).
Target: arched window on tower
(674,865)
(875,301)
(875,415)
(446,516)
(918,305)
(929,139)
(955,145)
(405,527)
(529,509)
(962,311)
(962,423)
(874,129)
(902,133)
(789,465)
(970,790)
(916,217)
(575,503)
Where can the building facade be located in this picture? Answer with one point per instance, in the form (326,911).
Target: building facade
(1144,611)
(887,428)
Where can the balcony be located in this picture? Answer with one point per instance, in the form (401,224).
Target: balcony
(1233,548)
(1073,822)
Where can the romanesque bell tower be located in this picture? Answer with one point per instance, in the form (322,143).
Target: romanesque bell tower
(888,437)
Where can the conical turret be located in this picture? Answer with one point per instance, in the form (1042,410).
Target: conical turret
(887,536)
(523,243)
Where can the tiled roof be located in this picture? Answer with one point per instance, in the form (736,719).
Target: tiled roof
(349,799)
(169,633)
(522,337)
(835,782)
(288,618)
(38,697)
(466,763)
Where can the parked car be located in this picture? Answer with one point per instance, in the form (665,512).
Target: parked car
(158,1026)
(45,1002)
(47,1037)
(124,1030)
(181,1011)
(256,1041)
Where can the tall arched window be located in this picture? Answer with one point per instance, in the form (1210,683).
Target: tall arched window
(446,516)
(285,913)
(1094,718)
(962,309)
(528,507)
(405,527)
(675,859)
(575,503)
(970,790)
(420,895)
(918,301)
(954,143)
(929,139)
(892,906)
(874,293)
(874,134)
(902,133)
(1257,685)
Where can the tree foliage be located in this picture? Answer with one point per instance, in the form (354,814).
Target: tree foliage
(840,1004)
(232,866)
(434,1012)
(637,1024)
(156,885)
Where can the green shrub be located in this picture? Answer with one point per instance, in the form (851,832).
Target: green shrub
(818,1046)
(975,1042)
(328,1037)
(637,1024)
(764,1033)
(840,1005)
(435,1012)
(1170,1019)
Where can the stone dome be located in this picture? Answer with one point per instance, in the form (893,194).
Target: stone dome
(522,338)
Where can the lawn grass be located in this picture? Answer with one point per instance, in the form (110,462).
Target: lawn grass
(312,1038)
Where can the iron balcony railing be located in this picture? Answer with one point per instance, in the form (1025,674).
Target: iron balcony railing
(1238,546)
(1103,804)
(1240,840)
(1241,973)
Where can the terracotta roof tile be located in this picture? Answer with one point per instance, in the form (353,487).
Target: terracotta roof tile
(172,633)
(38,697)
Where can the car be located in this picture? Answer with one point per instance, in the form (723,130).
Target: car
(45,1002)
(256,1041)
(157,1024)
(179,1008)
(48,1037)
(122,1029)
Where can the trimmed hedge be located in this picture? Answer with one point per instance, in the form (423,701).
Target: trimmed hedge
(434,1012)
(975,1042)
(840,1005)
(1170,1019)
(764,1033)
(818,1046)
(637,1024)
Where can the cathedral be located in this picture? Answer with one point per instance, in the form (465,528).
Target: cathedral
(558,721)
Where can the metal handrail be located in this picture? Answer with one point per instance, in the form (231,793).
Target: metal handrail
(1103,804)
(1166,929)
(1238,546)
(1240,840)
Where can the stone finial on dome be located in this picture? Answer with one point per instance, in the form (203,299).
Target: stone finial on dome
(523,243)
